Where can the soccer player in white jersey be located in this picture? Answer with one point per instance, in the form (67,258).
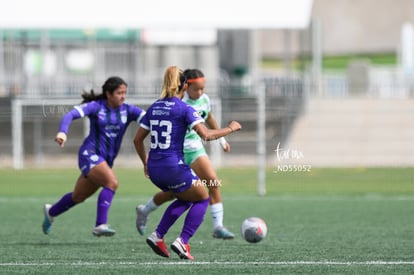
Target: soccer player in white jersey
(196,157)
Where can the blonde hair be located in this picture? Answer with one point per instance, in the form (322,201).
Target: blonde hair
(172,82)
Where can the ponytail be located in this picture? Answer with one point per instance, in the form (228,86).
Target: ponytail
(174,80)
(91,96)
(110,85)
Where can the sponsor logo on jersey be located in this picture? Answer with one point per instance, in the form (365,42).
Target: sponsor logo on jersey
(166,103)
(160,113)
(112,127)
(111,135)
(176,186)
(102,115)
(203,114)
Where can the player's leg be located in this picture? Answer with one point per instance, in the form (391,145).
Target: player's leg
(188,195)
(167,178)
(198,195)
(170,216)
(203,167)
(82,190)
(143,210)
(101,174)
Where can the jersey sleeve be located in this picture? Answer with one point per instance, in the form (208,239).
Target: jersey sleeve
(144,122)
(192,117)
(136,114)
(88,108)
(78,111)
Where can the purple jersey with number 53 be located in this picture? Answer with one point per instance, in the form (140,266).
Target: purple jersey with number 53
(168,120)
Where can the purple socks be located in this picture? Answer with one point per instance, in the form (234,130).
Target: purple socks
(193,220)
(104,202)
(171,214)
(64,204)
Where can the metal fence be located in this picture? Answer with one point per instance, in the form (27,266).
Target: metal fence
(32,121)
(45,96)
(373,82)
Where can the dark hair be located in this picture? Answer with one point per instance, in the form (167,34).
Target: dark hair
(193,73)
(183,80)
(110,85)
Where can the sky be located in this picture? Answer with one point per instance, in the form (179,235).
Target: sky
(156,14)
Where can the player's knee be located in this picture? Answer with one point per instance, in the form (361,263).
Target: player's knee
(213,188)
(112,184)
(203,194)
(204,202)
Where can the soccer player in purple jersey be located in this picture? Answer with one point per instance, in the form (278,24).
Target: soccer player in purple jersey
(167,121)
(109,118)
(195,155)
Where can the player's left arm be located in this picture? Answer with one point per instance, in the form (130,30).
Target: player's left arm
(212,124)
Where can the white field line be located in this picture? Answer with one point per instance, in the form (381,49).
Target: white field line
(282,263)
(140,199)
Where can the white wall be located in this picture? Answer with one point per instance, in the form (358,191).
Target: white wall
(351,26)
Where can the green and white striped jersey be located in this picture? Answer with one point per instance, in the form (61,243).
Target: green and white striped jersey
(202,105)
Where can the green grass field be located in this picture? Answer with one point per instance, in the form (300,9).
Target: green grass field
(327,221)
(334,62)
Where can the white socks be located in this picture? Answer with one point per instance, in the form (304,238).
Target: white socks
(149,207)
(217,214)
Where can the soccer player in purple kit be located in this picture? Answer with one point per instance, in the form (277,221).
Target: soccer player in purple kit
(167,121)
(196,157)
(109,118)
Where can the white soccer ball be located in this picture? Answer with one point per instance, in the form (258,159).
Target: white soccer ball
(253,229)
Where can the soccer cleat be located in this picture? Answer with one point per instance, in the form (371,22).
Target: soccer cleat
(103,230)
(141,221)
(222,233)
(182,250)
(48,220)
(158,245)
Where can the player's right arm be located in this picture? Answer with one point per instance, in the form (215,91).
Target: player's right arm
(140,147)
(77,112)
(139,138)
(67,118)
